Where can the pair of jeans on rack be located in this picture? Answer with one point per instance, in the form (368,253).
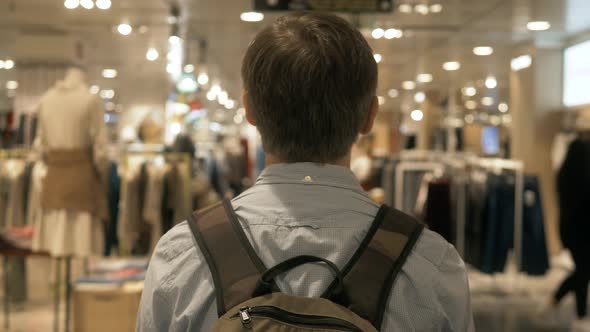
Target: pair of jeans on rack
(498,224)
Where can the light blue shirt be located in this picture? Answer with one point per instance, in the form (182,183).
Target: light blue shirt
(306,209)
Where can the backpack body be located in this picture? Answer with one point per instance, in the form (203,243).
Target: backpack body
(249,300)
(285,313)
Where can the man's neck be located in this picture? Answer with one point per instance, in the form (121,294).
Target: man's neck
(345,161)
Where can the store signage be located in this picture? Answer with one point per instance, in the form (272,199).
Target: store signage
(355,6)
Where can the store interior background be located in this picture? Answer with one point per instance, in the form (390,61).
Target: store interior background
(165,67)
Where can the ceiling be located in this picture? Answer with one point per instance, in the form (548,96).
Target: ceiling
(428,42)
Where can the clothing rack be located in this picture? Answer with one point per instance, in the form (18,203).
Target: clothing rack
(155,153)
(518,168)
(420,160)
(15,153)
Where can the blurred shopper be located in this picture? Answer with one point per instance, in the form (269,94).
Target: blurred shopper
(310,88)
(573,185)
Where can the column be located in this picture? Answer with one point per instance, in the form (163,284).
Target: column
(535,103)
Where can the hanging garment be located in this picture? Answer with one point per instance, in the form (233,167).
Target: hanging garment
(113,199)
(15,214)
(34,211)
(152,207)
(129,209)
(412,181)
(5,190)
(498,223)
(499,226)
(12,182)
(535,258)
(438,214)
(27,184)
(474,225)
(388,182)
(167,212)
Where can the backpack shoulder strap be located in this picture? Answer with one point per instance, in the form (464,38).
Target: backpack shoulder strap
(371,272)
(233,263)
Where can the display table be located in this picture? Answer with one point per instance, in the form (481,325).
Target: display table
(9,250)
(106,309)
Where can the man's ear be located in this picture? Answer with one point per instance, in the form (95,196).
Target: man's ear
(249,111)
(368,126)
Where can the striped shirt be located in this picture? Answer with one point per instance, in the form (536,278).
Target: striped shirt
(306,209)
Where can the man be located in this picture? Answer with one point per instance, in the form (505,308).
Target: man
(309,87)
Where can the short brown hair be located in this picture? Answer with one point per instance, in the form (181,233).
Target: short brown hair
(310,80)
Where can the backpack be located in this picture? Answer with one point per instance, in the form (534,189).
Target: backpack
(249,300)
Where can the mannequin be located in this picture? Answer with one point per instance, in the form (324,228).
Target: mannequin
(74,77)
(71,138)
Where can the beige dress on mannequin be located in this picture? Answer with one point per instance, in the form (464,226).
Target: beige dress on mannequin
(70,118)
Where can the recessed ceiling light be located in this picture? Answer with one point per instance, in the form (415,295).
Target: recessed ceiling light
(422,9)
(436,8)
(495,120)
(107,94)
(491,82)
(420,97)
(94,89)
(393,93)
(71,4)
(487,101)
(408,85)
(11,85)
(222,97)
(417,115)
(538,25)
(393,33)
(174,40)
(203,78)
(215,89)
(452,65)
(405,8)
(377,33)
(103,4)
(230,104)
(469,91)
(252,16)
(521,62)
(124,29)
(8,64)
(424,78)
(378,57)
(88,4)
(483,50)
(469,118)
(503,107)
(471,104)
(109,73)
(152,54)
(110,106)
(189,68)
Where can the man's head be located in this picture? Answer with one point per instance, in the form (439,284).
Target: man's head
(310,81)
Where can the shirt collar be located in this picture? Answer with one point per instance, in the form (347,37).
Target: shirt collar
(310,174)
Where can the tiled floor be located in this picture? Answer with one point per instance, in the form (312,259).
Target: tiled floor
(500,303)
